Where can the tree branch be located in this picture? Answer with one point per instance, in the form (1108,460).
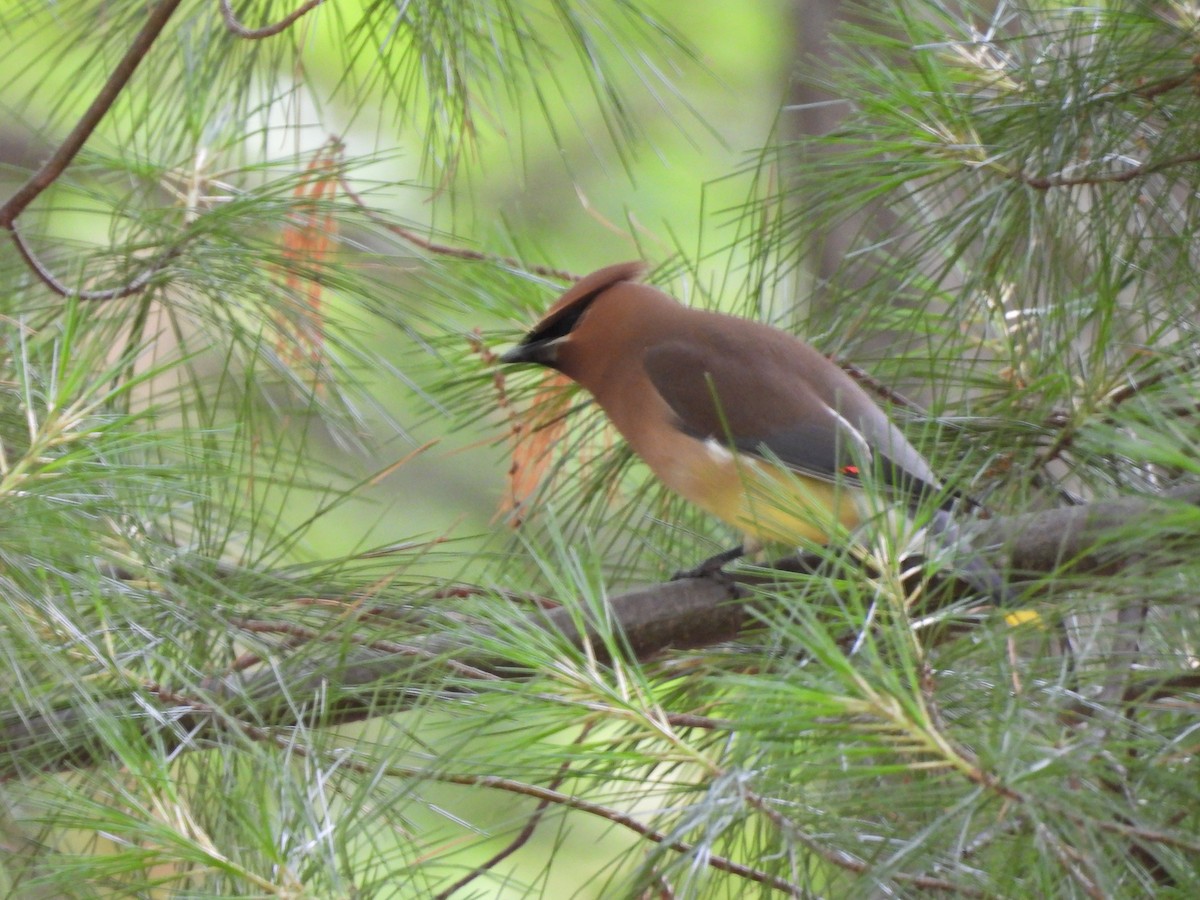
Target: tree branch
(61,158)
(522,837)
(1049,182)
(1042,541)
(373,678)
(48,278)
(266,31)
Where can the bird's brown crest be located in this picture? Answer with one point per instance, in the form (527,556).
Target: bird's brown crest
(586,288)
(562,316)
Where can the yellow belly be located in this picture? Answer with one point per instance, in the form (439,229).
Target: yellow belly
(768,503)
(778,506)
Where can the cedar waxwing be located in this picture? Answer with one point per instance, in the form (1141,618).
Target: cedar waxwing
(742,419)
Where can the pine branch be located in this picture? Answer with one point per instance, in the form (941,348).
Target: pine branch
(373,680)
(107,96)
(265,31)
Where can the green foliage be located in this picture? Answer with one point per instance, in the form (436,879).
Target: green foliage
(210,691)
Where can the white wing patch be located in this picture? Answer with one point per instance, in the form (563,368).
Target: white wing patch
(718,451)
(855,435)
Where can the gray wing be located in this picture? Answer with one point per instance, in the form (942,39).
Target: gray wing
(792,405)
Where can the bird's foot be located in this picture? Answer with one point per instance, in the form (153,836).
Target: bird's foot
(711,566)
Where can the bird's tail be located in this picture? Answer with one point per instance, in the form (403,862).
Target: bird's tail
(968,563)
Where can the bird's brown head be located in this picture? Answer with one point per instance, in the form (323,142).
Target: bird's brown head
(552,342)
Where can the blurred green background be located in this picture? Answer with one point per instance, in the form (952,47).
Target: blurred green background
(574,199)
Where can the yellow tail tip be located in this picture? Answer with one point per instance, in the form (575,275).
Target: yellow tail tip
(1019,617)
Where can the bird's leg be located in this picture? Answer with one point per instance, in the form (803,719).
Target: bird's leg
(713,565)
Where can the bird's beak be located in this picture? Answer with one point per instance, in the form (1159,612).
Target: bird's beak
(542,353)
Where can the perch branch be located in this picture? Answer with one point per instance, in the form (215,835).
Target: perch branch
(373,678)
